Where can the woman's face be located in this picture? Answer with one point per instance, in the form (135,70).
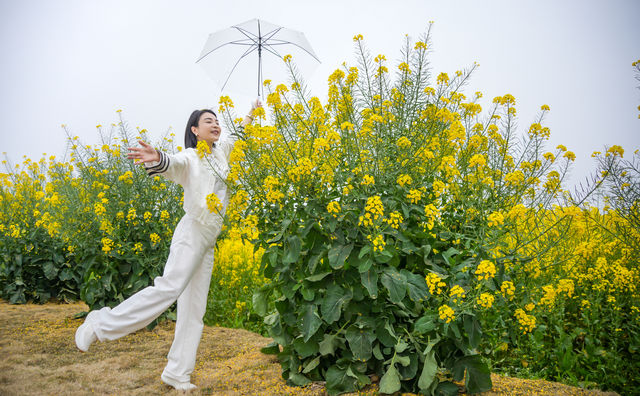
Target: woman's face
(208,128)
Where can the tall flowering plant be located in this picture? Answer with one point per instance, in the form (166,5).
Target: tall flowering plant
(379,214)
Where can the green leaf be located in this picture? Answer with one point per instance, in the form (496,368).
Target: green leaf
(124,268)
(66,274)
(311,322)
(298,379)
(453,326)
(332,304)
(400,346)
(311,365)
(376,352)
(271,349)
(360,342)
(409,371)
(293,250)
(429,371)
(390,381)
(396,284)
(426,249)
(50,270)
(447,388)
(313,261)
(425,324)
(308,294)
(260,298)
(338,254)
(305,348)
(447,255)
(338,381)
(386,335)
(478,378)
(276,238)
(365,250)
(317,277)
(370,282)
(416,286)
(362,379)
(365,264)
(474,331)
(328,345)
(403,360)
(383,257)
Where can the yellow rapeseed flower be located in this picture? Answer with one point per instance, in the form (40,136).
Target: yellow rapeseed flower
(203,148)
(377,242)
(486,269)
(395,219)
(495,219)
(155,238)
(477,160)
(403,142)
(485,300)
(213,203)
(404,180)
(443,79)
(435,283)
(457,293)
(414,196)
(446,313)
(367,180)
(334,208)
(527,322)
(107,245)
(507,289)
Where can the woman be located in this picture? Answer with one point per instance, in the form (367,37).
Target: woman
(187,273)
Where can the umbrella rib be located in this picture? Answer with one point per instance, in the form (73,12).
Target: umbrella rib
(250,50)
(222,45)
(271,50)
(266,46)
(248,34)
(267,36)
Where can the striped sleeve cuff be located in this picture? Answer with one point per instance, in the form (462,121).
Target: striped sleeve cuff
(162,165)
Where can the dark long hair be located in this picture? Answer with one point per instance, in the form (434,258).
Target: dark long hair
(190,140)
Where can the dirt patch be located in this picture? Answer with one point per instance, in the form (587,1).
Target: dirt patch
(38,356)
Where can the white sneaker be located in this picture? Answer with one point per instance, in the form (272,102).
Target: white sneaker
(177,384)
(85,335)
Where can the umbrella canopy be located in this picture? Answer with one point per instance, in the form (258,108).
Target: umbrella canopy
(241,57)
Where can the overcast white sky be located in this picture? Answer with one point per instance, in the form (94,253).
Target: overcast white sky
(77,61)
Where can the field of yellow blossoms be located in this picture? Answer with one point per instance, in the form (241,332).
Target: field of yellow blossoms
(395,232)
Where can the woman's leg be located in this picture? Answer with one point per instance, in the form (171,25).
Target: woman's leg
(185,256)
(192,305)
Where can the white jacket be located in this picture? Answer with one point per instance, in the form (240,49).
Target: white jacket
(198,177)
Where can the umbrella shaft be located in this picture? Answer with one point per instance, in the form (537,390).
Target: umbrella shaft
(259,64)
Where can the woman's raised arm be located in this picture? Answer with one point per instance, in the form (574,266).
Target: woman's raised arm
(172,166)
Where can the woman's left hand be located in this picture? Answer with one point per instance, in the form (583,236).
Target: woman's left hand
(254,105)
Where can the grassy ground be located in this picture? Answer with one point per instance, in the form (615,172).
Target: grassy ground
(38,356)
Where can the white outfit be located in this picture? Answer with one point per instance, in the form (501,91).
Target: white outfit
(187,273)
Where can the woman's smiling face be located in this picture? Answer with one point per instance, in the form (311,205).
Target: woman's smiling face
(208,128)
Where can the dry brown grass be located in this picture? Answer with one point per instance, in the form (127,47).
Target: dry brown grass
(38,356)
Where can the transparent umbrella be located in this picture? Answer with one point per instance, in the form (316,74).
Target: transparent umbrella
(241,57)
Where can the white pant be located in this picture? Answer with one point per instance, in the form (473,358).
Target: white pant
(186,277)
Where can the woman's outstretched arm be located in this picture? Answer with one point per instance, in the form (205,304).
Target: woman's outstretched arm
(171,166)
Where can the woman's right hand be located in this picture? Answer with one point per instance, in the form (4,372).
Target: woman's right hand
(146,153)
